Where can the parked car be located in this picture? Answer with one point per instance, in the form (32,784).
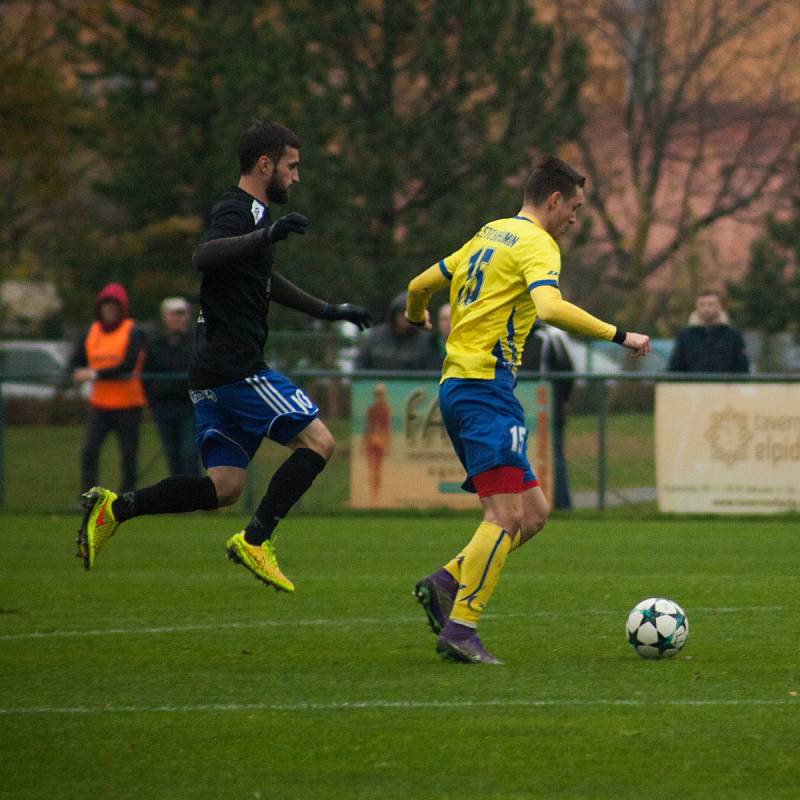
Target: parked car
(33,370)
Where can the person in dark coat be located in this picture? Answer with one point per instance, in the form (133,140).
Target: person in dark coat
(169,401)
(546,351)
(396,344)
(710,343)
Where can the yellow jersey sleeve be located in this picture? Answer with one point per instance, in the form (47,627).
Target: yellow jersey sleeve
(448,266)
(553,309)
(540,261)
(420,290)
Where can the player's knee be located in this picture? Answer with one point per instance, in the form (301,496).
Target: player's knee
(328,447)
(324,444)
(534,519)
(228,491)
(510,521)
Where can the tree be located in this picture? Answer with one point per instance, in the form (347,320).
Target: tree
(39,155)
(767,299)
(168,87)
(415,120)
(423,119)
(692,119)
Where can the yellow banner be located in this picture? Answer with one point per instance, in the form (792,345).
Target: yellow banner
(401,455)
(728,448)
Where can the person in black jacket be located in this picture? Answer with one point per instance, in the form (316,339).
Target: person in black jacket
(546,351)
(168,398)
(710,343)
(395,344)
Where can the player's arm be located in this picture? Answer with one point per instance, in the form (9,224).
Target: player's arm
(553,309)
(420,291)
(288,294)
(221,245)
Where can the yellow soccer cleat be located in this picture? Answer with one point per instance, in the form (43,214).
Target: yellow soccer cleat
(260,560)
(98,524)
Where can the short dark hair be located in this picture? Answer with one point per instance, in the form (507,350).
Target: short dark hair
(264,139)
(551,175)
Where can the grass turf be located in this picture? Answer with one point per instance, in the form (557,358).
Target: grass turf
(169,673)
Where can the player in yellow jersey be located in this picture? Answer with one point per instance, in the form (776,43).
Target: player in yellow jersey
(505,276)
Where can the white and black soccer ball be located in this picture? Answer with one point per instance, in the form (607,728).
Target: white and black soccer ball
(657,628)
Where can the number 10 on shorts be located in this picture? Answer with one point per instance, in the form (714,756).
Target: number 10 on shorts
(519,434)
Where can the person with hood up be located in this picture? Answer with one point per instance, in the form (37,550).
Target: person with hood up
(395,344)
(110,356)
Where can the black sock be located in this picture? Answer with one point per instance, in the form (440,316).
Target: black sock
(170,496)
(288,485)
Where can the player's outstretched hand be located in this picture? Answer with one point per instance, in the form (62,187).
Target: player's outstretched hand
(291,223)
(358,315)
(638,342)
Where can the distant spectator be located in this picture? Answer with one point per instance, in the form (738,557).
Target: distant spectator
(437,339)
(110,355)
(172,410)
(710,343)
(546,351)
(396,344)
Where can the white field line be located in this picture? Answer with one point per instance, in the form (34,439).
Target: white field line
(341,622)
(402,705)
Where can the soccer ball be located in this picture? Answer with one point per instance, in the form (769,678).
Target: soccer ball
(657,627)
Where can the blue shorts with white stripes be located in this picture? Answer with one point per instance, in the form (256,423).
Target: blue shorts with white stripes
(232,420)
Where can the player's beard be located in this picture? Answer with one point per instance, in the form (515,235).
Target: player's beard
(276,193)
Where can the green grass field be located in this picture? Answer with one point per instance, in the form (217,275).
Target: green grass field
(168,672)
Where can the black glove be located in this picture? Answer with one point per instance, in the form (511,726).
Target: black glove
(358,315)
(281,228)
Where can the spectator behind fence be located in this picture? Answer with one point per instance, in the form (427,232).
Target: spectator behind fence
(396,344)
(437,339)
(110,355)
(710,343)
(172,410)
(546,351)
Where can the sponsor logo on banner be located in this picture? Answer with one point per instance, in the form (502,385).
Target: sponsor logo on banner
(728,447)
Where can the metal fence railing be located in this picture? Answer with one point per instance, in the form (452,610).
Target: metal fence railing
(609,439)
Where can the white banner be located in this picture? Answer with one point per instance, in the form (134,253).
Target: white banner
(728,447)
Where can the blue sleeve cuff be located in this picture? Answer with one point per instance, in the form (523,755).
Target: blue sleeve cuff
(547,282)
(443,268)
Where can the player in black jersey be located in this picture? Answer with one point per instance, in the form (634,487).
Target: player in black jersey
(238,399)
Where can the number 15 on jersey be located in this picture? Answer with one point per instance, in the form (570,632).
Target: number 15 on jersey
(469,292)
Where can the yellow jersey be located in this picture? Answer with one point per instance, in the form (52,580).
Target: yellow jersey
(491,278)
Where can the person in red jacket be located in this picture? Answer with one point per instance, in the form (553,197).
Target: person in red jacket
(110,355)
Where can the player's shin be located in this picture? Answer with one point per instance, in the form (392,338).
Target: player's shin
(174,495)
(289,483)
(482,562)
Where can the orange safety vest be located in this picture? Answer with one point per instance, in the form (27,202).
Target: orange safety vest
(105,350)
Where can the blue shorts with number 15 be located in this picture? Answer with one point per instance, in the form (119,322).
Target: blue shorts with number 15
(486,424)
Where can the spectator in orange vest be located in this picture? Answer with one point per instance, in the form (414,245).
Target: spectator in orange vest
(110,355)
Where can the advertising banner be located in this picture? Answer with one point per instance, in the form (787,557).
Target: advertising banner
(401,456)
(728,448)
